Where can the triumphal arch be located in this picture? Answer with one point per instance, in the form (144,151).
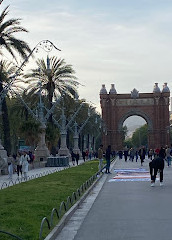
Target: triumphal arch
(153,107)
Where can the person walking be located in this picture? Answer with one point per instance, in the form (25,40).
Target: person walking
(125,153)
(77,158)
(120,154)
(73,157)
(100,157)
(136,155)
(168,155)
(142,153)
(10,167)
(108,155)
(156,152)
(19,166)
(32,158)
(150,153)
(132,154)
(162,153)
(24,161)
(83,155)
(157,164)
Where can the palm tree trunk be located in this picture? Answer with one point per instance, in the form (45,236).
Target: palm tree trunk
(5,125)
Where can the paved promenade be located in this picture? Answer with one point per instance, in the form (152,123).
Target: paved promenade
(124,210)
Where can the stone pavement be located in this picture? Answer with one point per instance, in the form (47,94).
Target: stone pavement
(32,172)
(124,210)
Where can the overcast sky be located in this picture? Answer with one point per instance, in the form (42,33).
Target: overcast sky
(125,42)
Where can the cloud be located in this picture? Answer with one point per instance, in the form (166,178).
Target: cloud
(122,43)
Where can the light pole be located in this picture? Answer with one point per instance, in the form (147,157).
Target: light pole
(63,151)
(63,126)
(45,45)
(77,131)
(41,152)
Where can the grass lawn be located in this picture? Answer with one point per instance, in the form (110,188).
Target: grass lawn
(23,206)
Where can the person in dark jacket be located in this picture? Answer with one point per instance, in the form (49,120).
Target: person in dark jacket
(125,154)
(107,156)
(73,157)
(162,153)
(142,153)
(77,157)
(83,155)
(157,164)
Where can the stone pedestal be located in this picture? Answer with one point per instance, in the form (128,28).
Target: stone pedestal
(41,152)
(76,148)
(63,151)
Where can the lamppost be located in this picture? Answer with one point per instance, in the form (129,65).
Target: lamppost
(63,126)
(63,133)
(77,130)
(41,152)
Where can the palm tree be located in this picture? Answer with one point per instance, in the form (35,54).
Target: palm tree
(7,40)
(12,45)
(5,71)
(56,78)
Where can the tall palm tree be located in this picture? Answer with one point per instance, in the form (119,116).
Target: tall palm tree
(55,77)
(14,46)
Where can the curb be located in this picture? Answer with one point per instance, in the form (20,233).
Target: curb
(57,229)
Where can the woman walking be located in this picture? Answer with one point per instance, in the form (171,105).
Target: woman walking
(24,161)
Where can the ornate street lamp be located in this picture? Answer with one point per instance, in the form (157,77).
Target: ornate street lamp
(63,126)
(77,131)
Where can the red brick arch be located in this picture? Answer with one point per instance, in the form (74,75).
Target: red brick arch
(153,107)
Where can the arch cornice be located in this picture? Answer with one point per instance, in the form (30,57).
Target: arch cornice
(133,112)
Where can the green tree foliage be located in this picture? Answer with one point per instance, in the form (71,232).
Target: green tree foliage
(13,45)
(52,136)
(29,131)
(6,70)
(139,137)
(56,78)
(128,143)
(7,39)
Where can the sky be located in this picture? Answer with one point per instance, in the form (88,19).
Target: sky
(123,42)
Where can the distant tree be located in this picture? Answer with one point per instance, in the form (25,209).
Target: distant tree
(30,130)
(140,136)
(128,143)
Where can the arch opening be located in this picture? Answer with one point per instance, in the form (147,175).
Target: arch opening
(135,132)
